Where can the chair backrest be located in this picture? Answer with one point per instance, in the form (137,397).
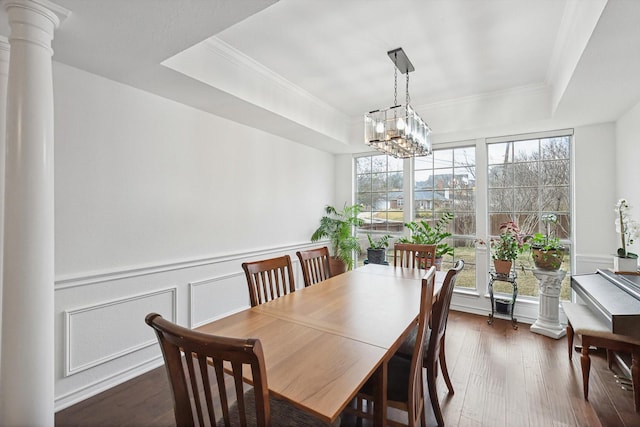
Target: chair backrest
(440,312)
(269,279)
(315,265)
(415,405)
(194,363)
(413,255)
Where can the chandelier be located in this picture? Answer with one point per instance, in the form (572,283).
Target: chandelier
(398,130)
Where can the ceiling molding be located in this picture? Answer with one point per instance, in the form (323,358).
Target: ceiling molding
(236,58)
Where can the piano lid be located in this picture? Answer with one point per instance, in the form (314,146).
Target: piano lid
(612,297)
(630,283)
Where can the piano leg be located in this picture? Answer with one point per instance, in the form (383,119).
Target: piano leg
(570,340)
(635,379)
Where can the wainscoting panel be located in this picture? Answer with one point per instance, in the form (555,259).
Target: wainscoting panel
(211,299)
(101,337)
(100,333)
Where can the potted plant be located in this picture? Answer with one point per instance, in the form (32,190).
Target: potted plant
(546,250)
(377,250)
(629,230)
(506,247)
(338,227)
(424,234)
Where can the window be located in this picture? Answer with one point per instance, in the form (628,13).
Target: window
(527,179)
(446,182)
(379,190)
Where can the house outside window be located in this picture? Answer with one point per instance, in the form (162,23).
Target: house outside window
(446,182)
(379,191)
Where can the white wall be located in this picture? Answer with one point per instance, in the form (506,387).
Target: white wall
(627,163)
(594,196)
(157,205)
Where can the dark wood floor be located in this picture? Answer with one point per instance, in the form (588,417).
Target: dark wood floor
(501,376)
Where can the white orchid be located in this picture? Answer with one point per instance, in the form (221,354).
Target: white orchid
(627,227)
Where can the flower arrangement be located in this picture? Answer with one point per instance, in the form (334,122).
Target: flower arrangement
(509,244)
(627,227)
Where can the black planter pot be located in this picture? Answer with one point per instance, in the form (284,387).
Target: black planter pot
(376,256)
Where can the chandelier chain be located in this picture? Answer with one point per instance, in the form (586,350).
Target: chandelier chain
(395,83)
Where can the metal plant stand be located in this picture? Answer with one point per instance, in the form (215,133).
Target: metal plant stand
(509,304)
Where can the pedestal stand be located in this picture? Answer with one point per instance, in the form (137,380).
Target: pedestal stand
(548,322)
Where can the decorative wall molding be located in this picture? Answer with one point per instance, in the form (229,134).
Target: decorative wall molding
(70,317)
(193,288)
(84,279)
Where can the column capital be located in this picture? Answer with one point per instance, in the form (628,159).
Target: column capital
(34,21)
(55,13)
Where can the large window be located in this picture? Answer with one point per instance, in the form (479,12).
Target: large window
(379,191)
(446,182)
(526,180)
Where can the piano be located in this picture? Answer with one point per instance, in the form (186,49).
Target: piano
(613,297)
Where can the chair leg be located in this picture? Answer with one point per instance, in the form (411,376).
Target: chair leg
(635,379)
(585,361)
(433,393)
(570,340)
(443,366)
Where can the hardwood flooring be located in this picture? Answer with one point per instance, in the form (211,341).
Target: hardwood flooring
(501,377)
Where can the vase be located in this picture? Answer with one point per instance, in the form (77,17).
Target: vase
(502,266)
(625,264)
(550,260)
(376,256)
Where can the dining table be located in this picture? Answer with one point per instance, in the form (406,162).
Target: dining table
(323,342)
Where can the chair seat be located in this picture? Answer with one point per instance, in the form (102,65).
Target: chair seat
(406,348)
(283,414)
(398,372)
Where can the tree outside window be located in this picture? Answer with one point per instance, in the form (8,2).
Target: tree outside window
(526,180)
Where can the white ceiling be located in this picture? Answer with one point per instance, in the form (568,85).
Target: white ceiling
(307,70)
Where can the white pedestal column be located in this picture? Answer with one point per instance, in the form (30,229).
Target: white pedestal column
(27,369)
(548,322)
(4,74)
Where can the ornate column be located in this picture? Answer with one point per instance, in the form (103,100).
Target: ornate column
(27,369)
(548,322)
(4,74)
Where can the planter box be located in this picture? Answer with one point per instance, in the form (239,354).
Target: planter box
(625,264)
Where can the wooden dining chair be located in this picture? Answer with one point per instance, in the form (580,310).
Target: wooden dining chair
(405,382)
(269,279)
(434,344)
(205,373)
(597,333)
(315,265)
(414,255)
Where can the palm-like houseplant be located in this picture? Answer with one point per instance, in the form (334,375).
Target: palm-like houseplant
(339,228)
(423,233)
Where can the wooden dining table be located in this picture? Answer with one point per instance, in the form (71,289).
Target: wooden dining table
(323,342)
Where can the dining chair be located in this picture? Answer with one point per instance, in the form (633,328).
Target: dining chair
(269,279)
(205,373)
(413,255)
(315,265)
(434,344)
(405,384)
